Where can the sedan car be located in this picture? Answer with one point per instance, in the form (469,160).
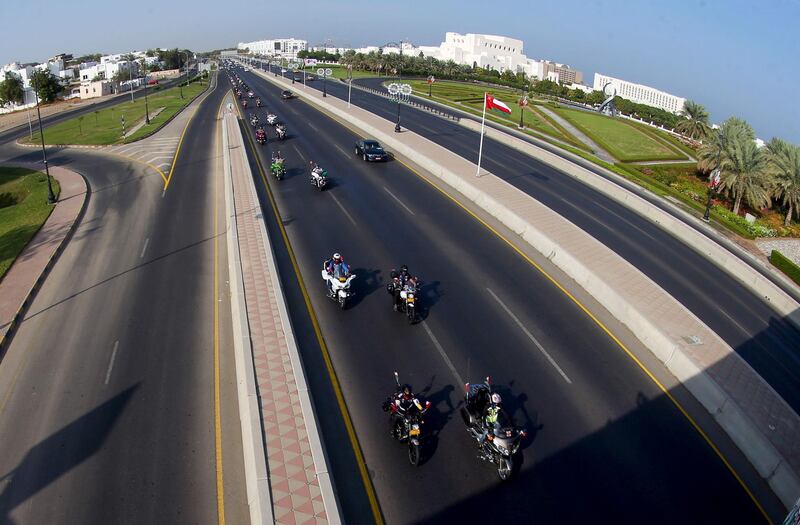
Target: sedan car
(286,94)
(371,150)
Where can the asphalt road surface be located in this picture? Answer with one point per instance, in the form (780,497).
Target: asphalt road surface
(604,442)
(107,410)
(767,342)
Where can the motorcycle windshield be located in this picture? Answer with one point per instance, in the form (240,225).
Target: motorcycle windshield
(340,270)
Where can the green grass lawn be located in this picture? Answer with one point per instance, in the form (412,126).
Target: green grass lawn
(625,142)
(470,98)
(104,126)
(23,209)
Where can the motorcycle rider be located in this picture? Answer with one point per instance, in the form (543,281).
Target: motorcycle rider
(404,401)
(399,280)
(490,416)
(335,267)
(277,161)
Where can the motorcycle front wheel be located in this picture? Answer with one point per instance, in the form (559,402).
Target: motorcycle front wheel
(413,454)
(410,313)
(342,302)
(504,467)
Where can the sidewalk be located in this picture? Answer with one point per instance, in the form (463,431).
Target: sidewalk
(758,420)
(26,275)
(299,483)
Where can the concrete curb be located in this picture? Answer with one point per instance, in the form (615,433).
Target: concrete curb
(742,429)
(309,416)
(5,340)
(259,498)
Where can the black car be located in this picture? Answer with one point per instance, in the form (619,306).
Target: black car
(371,150)
(286,94)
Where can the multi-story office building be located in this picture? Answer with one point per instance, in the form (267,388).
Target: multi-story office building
(285,47)
(641,94)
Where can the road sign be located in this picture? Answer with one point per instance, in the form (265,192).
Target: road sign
(523,101)
(320,72)
(328,72)
(393,88)
(431,79)
(405,90)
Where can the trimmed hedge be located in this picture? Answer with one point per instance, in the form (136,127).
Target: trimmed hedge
(785,265)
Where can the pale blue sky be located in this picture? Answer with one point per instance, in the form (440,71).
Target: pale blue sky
(735,57)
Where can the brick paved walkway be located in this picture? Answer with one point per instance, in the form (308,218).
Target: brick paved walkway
(297,497)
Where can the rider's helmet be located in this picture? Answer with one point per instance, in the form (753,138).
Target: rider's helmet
(404,269)
(337,257)
(496,399)
(407,391)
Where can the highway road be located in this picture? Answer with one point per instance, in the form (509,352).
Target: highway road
(107,411)
(769,344)
(605,442)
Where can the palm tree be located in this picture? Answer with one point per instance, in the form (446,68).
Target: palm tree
(711,152)
(744,173)
(695,121)
(784,160)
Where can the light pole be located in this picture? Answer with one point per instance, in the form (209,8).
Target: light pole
(349,83)
(523,103)
(146,110)
(130,76)
(324,73)
(400,92)
(51,198)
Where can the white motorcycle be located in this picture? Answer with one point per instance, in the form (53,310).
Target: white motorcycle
(272,119)
(338,287)
(319,178)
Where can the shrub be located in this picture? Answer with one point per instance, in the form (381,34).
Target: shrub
(785,265)
(755,229)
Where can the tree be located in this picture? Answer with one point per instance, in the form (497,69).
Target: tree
(11,91)
(46,85)
(784,160)
(714,149)
(743,172)
(695,121)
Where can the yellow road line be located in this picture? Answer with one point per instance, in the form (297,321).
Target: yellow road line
(217,415)
(580,305)
(351,434)
(180,141)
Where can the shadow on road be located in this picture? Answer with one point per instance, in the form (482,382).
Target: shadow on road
(50,459)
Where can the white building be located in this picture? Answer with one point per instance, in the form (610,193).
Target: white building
(487,51)
(96,89)
(285,47)
(106,70)
(641,94)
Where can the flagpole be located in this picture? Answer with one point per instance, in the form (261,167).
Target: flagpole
(480,149)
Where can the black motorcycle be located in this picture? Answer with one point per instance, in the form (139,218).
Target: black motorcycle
(498,444)
(407,427)
(404,297)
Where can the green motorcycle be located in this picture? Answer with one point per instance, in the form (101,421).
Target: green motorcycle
(277,169)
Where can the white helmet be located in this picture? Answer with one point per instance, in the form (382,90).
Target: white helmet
(337,257)
(496,399)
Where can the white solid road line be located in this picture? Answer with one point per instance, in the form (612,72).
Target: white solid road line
(111,363)
(344,209)
(442,353)
(530,336)
(398,201)
(145,247)
(312,126)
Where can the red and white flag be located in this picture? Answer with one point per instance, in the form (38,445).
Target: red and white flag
(493,103)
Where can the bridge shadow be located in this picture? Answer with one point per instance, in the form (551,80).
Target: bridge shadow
(61,452)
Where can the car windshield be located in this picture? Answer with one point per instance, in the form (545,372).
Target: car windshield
(373,146)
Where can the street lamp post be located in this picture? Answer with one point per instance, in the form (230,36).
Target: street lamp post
(146,110)
(51,198)
(324,73)
(523,102)
(400,92)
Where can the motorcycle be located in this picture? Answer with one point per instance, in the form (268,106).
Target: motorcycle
(258,102)
(254,121)
(338,287)
(261,136)
(404,297)
(244,104)
(499,444)
(319,178)
(277,169)
(407,427)
(281,131)
(272,119)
